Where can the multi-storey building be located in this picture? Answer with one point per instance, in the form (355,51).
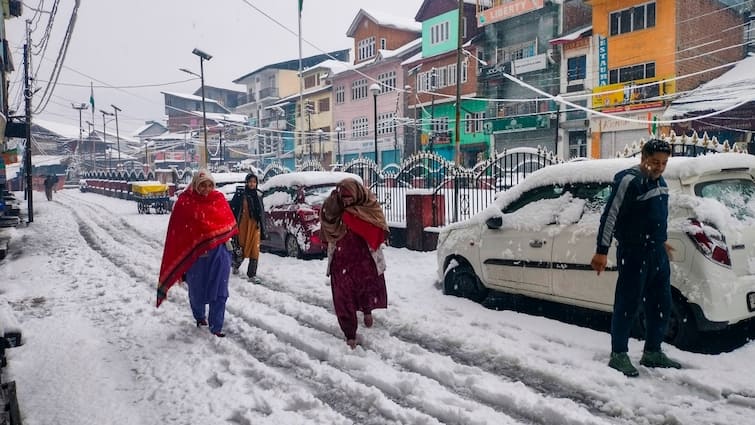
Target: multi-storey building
(516,44)
(577,53)
(315,129)
(265,88)
(648,51)
(374,88)
(434,82)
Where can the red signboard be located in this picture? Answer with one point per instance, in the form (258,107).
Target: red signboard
(505,9)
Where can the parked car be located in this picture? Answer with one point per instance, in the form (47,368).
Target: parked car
(537,240)
(292,211)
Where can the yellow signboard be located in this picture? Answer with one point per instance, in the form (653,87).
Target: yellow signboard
(648,90)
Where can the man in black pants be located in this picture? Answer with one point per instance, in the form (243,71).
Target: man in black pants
(636,214)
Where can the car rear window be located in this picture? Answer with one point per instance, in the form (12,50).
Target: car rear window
(735,193)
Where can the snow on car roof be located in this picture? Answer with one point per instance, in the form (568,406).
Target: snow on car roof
(604,170)
(307,178)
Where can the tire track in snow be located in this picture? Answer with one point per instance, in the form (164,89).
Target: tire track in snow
(411,357)
(99,236)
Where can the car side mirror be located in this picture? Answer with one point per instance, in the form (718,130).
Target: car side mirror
(494,222)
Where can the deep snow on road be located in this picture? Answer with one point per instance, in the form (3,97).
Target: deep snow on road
(81,280)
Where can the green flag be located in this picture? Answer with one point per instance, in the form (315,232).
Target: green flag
(301,3)
(91,96)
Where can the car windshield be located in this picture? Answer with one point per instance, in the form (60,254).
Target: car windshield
(316,195)
(735,194)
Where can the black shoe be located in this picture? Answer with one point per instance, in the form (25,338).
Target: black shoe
(219,334)
(201,322)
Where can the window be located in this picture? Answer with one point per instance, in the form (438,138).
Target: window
(323,105)
(310,81)
(439,33)
(359,127)
(534,195)
(464,73)
(440,125)
(359,89)
(632,19)
(340,94)
(340,126)
(383,43)
(423,81)
(366,48)
(387,81)
(474,123)
(386,123)
(516,51)
(577,144)
(576,68)
(631,73)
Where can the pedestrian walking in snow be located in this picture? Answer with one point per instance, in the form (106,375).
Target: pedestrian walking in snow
(354,226)
(249,211)
(197,250)
(50,182)
(636,214)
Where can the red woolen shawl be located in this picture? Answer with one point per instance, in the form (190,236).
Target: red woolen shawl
(197,225)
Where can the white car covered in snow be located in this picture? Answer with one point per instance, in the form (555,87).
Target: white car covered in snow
(537,240)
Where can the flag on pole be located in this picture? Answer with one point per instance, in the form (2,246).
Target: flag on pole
(91,95)
(301,3)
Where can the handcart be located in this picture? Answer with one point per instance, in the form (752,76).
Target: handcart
(150,194)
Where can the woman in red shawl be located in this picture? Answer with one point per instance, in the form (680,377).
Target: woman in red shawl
(354,227)
(195,247)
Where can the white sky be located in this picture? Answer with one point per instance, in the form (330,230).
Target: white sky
(80,283)
(144,42)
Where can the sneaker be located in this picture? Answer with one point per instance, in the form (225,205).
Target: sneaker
(621,362)
(219,334)
(658,359)
(255,280)
(235,270)
(201,322)
(368,320)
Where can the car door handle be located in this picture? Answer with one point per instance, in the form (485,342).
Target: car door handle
(537,243)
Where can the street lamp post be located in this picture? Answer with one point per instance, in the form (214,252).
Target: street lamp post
(90,126)
(375,90)
(319,143)
(104,132)
(117,133)
(80,107)
(202,57)
(338,144)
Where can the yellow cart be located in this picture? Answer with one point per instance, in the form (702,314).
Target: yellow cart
(150,194)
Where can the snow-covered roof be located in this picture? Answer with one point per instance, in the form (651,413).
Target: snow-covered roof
(333,65)
(385,20)
(191,97)
(307,178)
(63,130)
(737,86)
(387,54)
(574,35)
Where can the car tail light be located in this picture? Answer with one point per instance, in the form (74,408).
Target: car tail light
(709,241)
(315,238)
(307,215)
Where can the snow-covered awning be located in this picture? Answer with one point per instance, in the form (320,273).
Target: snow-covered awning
(574,35)
(733,88)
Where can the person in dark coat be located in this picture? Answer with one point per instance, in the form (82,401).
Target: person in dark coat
(354,226)
(636,214)
(196,251)
(249,210)
(50,182)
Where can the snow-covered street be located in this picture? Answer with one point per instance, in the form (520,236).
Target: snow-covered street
(81,284)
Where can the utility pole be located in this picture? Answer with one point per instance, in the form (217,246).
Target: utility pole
(459,44)
(80,107)
(27,110)
(117,133)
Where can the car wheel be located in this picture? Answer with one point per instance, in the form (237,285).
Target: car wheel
(292,247)
(461,281)
(682,329)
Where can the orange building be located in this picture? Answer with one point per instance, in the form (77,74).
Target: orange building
(647,51)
